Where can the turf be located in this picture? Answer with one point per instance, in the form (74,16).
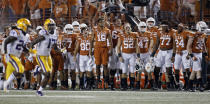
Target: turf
(104,97)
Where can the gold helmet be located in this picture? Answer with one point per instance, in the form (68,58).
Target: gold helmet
(49,22)
(23,24)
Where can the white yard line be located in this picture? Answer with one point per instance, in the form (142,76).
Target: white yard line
(67,96)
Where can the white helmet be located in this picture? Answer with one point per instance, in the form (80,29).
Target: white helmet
(68,29)
(142,27)
(150,20)
(201,26)
(76,26)
(83,25)
(207,31)
(139,66)
(39,28)
(149,67)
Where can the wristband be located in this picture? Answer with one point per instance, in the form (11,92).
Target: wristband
(173,55)
(191,55)
(138,55)
(119,55)
(205,54)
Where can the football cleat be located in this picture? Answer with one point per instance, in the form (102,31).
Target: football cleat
(39,93)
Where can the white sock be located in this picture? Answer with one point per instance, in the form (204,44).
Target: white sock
(10,79)
(40,88)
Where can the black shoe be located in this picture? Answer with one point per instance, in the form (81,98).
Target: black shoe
(192,90)
(201,89)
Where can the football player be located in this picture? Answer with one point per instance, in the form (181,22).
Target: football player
(46,40)
(69,42)
(154,33)
(100,36)
(127,57)
(165,43)
(14,45)
(181,37)
(145,45)
(114,63)
(195,47)
(83,47)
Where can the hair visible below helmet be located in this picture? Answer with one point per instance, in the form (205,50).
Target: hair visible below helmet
(201,26)
(48,22)
(68,29)
(142,27)
(150,20)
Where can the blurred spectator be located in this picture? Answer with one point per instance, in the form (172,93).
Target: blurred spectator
(73,7)
(154,7)
(89,12)
(167,10)
(35,15)
(45,9)
(60,11)
(17,9)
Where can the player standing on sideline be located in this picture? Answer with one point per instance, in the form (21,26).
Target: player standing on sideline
(180,62)
(127,57)
(83,47)
(145,45)
(165,43)
(101,51)
(195,47)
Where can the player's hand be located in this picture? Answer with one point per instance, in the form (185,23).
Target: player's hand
(172,59)
(188,57)
(206,58)
(121,59)
(138,60)
(194,58)
(75,58)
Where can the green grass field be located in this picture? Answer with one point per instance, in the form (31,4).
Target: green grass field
(104,97)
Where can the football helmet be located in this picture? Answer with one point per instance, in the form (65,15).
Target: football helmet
(201,26)
(142,27)
(68,29)
(150,22)
(139,66)
(207,31)
(23,24)
(39,28)
(50,25)
(149,67)
(83,25)
(76,26)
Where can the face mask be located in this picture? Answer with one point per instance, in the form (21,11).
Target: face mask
(103,5)
(143,29)
(69,32)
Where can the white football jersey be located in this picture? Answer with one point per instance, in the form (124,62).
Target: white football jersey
(44,47)
(16,48)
